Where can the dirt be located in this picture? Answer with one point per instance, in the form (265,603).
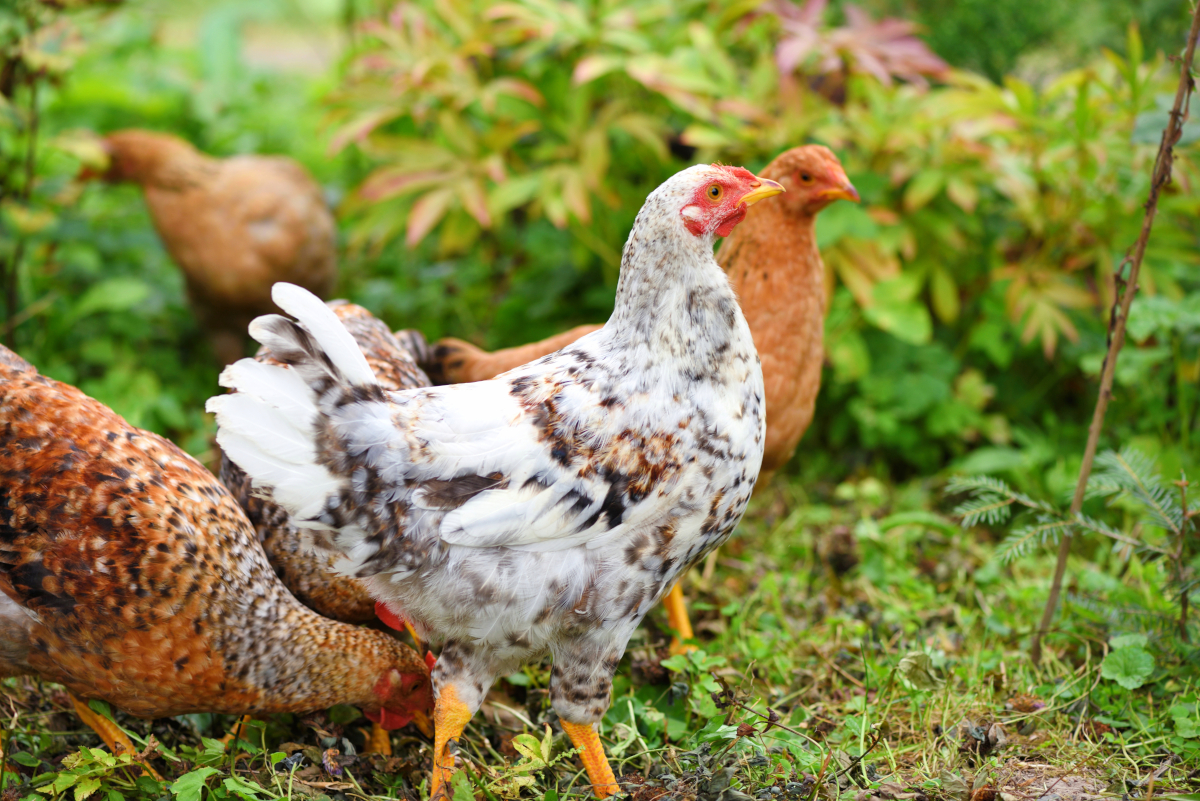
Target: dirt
(1027,781)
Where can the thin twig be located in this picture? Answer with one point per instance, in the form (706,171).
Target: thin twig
(1120,314)
(1180,557)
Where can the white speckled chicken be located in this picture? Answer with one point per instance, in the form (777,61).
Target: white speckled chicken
(546,510)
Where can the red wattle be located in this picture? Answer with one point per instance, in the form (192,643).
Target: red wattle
(389,618)
(387,718)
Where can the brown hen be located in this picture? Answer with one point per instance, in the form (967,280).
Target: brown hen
(234,227)
(129,574)
(776,270)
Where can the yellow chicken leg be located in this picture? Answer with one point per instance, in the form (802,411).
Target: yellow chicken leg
(379,741)
(109,732)
(238,729)
(677,617)
(584,737)
(450,717)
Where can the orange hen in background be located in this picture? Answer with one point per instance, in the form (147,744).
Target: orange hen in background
(234,227)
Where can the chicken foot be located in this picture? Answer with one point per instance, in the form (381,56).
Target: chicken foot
(591,753)
(677,618)
(238,729)
(110,733)
(450,717)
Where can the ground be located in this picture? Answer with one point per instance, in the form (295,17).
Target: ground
(856,644)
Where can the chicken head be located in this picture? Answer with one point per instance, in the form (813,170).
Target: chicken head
(813,177)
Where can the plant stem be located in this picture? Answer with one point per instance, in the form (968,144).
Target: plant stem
(1181,558)
(1120,314)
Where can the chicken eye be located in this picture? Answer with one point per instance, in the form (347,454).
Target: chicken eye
(805,177)
(715,193)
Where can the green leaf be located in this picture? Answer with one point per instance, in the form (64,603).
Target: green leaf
(86,786)
(1128,641)
(462,788)
(677,663)
(917,669)
(1130,667)
(1187,728)
(944,294)
(111,295)
(24,758)
(341,714)
(893,309)
(922,189)
(244,787)
(528,746)
(63,781)
(187,787)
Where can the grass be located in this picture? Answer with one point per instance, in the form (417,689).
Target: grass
(855,643)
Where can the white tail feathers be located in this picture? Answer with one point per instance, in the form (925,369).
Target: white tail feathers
(324,326)
(267,426)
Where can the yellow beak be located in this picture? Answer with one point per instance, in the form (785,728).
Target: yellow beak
(847,192)
(423,723)
(766,188)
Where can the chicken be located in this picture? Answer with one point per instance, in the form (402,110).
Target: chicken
(311,578)
(776,270)
(233,226)
(547,510)
(128,574)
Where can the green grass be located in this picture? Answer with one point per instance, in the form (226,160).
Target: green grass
(884,640)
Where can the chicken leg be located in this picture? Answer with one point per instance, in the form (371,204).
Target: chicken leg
(591,753)
(238,730)
(110,733)
(450,717)
(677,617)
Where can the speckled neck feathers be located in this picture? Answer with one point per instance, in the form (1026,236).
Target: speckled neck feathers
(674,307)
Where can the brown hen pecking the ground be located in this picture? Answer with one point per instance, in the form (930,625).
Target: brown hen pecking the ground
(775,268)
(129,574)
(234,227)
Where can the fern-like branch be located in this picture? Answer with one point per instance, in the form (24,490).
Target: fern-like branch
(990,500)
(1022,542)
(1104,529)
(1134,473)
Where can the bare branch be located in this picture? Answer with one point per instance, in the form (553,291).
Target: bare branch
(1127,288)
